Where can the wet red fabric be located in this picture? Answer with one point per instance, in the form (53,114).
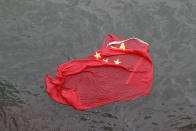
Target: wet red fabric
(122,70)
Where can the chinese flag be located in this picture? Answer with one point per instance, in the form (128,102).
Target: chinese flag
(122,70)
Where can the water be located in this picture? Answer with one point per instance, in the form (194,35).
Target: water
(38,35)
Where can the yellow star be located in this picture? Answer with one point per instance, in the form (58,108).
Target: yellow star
(113,47)
(122,46)
(117,61)
(105,60)
(97,55)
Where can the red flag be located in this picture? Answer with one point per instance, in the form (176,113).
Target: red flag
(122,70)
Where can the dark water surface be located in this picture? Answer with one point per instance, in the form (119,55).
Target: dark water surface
(38,35)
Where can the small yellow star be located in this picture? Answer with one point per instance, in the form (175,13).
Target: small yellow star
(97,55)
(117,61)
(122,46)
(105,60)
(113,47)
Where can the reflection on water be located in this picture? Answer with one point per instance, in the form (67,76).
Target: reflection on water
(188,127)
(8,98)
(8,94)
(38,35)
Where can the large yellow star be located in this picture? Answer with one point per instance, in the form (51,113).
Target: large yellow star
(117,61)
(105,60)
(122,46)
(97,55)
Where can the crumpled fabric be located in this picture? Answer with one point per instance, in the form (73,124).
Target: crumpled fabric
(122,70)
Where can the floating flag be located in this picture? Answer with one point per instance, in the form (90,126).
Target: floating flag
(122,70)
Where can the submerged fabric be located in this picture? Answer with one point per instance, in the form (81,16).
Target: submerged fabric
(122,70)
